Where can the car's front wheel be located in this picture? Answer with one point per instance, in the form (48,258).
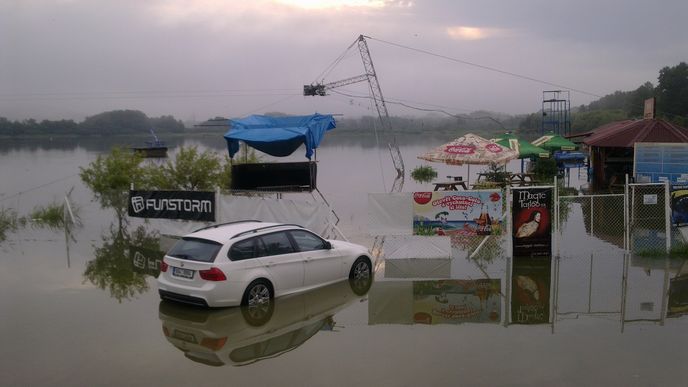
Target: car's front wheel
(257,293)
(361,269)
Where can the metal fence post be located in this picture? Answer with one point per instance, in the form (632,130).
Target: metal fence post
(627,220)
(667,215)
(556,215)
(592,216)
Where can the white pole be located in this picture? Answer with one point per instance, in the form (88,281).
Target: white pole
(218,207)
(556,215)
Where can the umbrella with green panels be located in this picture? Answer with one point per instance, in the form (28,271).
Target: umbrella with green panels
(555,142)
(525,149)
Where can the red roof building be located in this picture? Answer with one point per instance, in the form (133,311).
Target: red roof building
(611,147)
(624,134)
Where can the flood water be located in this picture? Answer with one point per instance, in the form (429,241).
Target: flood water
(83,310)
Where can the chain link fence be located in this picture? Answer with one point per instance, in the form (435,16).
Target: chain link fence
(637,221)
(600,217)
(649,219)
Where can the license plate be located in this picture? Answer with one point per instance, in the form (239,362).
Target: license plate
(184,336)
(183,273)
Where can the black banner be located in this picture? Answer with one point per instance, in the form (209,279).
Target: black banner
(184,205)
(532,220)
(284,177)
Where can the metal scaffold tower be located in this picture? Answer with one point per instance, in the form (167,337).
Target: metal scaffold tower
(370,76)
(556,112)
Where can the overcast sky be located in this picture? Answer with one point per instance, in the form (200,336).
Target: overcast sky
(195,59)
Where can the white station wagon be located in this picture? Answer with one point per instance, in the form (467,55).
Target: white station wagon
(251,262)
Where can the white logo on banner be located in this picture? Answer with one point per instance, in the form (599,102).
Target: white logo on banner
(137,203)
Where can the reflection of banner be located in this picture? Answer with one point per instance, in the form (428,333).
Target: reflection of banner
(457,212)
(678,297)
(186,205)
(532,233)
(679,204)
(457,301)
(530,288)
(146,261)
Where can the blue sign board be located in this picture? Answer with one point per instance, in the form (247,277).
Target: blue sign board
(661,162)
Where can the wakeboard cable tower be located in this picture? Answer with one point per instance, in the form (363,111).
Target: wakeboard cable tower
(370,76)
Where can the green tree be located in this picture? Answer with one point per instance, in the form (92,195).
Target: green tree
(190,170)
(116,122)
(590,120)
(111,176)
(672,90)
(635,104)
(166,124)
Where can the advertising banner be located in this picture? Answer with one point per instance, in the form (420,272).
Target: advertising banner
(457,213)
(457,301)
(530,290)
(183,205)
(679,204)
(678,297)
(532,220)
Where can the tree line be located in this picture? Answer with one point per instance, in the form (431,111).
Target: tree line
(107,123)
(671,95)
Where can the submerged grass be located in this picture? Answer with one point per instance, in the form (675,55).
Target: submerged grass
(679,250)
(9,222)
(51,216)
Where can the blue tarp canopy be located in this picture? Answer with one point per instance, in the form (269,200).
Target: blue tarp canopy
(279,136)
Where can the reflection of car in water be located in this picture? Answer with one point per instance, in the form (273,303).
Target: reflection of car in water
(244,335)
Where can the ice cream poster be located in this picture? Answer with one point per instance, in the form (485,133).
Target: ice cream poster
(532,222)
(457,213)
(530,290)
(457,301)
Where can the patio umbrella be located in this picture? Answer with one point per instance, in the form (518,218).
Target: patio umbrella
(555,142)
(525,149)
(470,149)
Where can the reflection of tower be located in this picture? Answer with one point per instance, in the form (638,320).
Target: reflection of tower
(556,112)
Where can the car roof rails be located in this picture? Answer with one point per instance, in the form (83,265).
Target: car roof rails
(227,223)
(266,227)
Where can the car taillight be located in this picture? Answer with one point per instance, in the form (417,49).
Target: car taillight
(213,274)
(214,344)
(163,266)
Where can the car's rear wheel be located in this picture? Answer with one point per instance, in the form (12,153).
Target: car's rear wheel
(361,269)
(257,293)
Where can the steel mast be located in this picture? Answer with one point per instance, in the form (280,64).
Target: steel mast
(370,76)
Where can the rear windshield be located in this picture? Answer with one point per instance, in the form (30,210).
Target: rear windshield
(195,249)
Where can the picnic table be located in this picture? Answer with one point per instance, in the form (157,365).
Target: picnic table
(451,185)
(522,179)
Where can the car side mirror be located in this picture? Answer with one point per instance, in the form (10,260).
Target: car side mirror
(328,245)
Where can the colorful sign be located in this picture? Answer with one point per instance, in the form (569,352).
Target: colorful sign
(457,213)
(679,204)
(457,301)
(532,220)
(530,290)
